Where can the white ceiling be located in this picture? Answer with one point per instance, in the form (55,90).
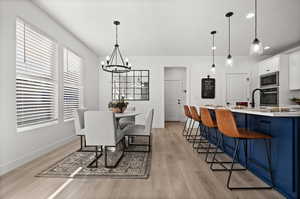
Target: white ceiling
(176,27)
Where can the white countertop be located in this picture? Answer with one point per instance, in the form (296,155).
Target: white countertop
(256,111)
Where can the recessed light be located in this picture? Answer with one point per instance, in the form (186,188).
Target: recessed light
(267,47)
(250,15)
(214,48)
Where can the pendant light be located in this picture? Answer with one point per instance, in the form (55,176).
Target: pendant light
(256,46)
(213,48)
(115,63)
(229,60)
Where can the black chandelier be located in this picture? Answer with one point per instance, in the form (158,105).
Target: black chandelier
(115,62)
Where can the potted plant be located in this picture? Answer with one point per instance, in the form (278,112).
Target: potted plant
(118,106)
(296,100)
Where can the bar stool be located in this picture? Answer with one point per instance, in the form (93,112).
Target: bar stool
(227,126)
(208,124)
(189,120)
(197,118)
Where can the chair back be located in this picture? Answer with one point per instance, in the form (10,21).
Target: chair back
(195,114)
(79,120)
(130,109)
(226,123)
(149,121)
(206,118)
(100,127)
(187,111)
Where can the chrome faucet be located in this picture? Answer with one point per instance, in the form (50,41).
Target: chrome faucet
(253,92)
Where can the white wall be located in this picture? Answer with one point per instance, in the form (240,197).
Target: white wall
(17,148)
(197,67)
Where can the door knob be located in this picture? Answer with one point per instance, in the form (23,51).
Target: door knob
(178,101)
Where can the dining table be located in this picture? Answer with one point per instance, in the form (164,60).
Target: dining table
(131,114)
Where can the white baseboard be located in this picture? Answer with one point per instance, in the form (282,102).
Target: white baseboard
(5,168)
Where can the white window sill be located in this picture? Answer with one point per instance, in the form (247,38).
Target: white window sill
(37,126)
(69,120)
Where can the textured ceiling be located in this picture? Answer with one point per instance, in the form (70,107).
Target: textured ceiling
(176,27)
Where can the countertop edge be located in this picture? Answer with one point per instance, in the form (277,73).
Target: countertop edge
(269,114)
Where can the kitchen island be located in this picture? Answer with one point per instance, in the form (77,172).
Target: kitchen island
(284,127)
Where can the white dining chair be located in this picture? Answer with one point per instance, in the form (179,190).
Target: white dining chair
(79,126)
(141,130)
(129,121)
(101,131)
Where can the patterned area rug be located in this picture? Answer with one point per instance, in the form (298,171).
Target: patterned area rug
(132,165)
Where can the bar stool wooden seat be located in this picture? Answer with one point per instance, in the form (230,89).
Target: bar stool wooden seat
(188,120)
(227,126)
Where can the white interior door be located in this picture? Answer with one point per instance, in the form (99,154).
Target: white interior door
(174,100)
(237,88)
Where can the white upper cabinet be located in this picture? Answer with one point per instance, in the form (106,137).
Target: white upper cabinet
(294,71)
(269,65)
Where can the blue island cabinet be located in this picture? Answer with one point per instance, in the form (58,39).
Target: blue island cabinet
(284,150)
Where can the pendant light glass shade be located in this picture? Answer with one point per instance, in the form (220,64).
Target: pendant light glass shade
(256,47)
(213,69)
(229,61)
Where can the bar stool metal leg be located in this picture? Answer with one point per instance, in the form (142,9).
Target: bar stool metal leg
(216,147)
(250,187)
(189,126)
(191,130)
(185,125)
(221,163)
(201,138)
(194,138)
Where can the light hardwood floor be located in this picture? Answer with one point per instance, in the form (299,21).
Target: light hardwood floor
(176,172)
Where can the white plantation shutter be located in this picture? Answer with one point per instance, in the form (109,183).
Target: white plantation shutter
(72,83)
(36,84)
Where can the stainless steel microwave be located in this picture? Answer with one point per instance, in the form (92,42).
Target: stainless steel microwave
(269,80)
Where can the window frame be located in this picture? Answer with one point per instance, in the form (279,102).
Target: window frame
(22,75)
(126,88)
(81,86)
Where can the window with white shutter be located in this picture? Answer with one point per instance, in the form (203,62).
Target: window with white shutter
(36,82)
(72,83)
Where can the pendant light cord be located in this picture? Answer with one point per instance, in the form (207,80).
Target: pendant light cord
(116,34)
(229,36)
(213,49)
(255,19)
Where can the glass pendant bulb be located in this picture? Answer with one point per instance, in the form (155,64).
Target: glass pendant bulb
(213,69)
(256,47)
(229,61)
